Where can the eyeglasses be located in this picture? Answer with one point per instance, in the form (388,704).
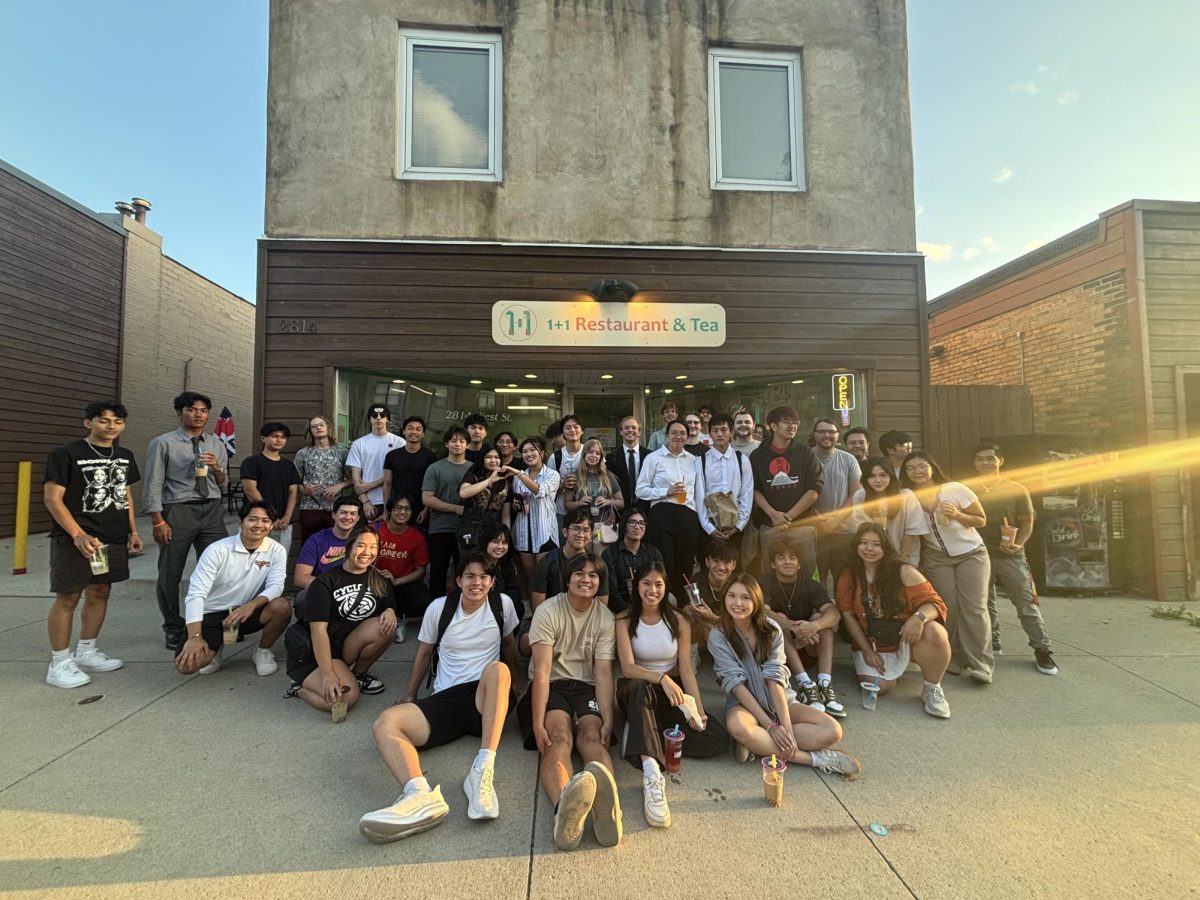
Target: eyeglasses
(402,509)
(789,421)
(635,523)
(832,431)
(917,467)
(580,529)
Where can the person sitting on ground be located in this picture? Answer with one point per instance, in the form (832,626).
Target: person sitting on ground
(761,711)
(808,618)
(471,695)
(403,558)
(882,500)
(569,706)
(326,549)
(629,553)
(238,581)
(654,646)
(720,562)
(495,542)
(892,615)
(347,623)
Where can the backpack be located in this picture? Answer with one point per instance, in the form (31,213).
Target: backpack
(447,616)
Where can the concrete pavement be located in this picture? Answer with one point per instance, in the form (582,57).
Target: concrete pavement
(1081,785)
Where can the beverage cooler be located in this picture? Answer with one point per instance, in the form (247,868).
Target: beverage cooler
(1069,548)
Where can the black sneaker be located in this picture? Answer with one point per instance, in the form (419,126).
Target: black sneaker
(1045,662)
(368,683)
(292,691)
(810,695)
(833,705)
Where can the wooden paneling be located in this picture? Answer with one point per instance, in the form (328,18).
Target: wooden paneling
(427,307)
(61,272)
(964,414)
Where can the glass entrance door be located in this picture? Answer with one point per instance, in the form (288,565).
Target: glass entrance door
(603,408)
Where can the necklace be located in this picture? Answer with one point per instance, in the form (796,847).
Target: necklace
(96,450)
(790,594)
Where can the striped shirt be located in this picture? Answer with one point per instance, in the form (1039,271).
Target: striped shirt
(538,523)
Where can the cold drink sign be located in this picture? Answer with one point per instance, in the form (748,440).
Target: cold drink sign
(591,324)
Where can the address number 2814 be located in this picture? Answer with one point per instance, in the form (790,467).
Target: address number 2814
(297,326)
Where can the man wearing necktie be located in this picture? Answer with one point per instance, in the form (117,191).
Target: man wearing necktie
(185,469)
(625,461)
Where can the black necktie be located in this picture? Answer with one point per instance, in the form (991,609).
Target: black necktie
(201,480)
(632,476)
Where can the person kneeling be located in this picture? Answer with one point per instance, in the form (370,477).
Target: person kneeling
(236,589)
(659,689)
(761,710)
(570,706)
(471,696)
(347,623)
(891,613)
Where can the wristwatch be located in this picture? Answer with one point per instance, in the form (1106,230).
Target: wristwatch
(920,615)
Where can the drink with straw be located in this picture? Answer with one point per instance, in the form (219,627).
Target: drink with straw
(870,692)
(693,593)
(99,560)
(230,631)
(673,748)
(1008,534)
(773,769)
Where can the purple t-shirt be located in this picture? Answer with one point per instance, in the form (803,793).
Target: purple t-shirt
(323,551)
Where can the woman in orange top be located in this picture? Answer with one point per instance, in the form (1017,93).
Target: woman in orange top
(893,615)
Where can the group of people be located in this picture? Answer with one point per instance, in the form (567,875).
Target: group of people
(760,552)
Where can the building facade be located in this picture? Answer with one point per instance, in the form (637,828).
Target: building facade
(93,309)
(1103,326)
(447,180)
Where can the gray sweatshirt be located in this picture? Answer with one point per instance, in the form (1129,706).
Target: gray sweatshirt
(733,669)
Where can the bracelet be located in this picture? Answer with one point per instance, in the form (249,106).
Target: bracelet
(157,524)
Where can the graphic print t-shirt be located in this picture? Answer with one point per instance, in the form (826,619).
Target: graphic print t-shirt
(783,477)
(97,483)
(334,598)
(323,551)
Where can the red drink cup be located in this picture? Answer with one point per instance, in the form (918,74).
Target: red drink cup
(673,748)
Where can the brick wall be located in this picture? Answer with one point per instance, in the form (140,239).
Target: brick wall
(182,332)
(1076,358)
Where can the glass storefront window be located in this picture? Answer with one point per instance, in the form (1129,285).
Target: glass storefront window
(442,401)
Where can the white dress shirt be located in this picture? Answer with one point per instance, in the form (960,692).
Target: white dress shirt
(719,473)
(660,470)
(228,575)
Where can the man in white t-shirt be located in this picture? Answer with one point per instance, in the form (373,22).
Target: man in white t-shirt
(471,694)
(833,513)
(365,461)
(566,461)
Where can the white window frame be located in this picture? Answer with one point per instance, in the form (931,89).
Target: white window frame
(790,61)
(410,38)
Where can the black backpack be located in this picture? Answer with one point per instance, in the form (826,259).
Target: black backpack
(449,608)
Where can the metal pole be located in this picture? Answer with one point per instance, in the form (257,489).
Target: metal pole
(21,536)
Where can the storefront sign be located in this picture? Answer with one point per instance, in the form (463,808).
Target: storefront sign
(845,396)
(591,324)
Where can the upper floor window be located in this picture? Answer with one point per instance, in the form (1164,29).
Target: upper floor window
(755,120)
(449,105)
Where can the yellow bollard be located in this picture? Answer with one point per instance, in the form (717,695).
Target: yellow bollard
(21,536)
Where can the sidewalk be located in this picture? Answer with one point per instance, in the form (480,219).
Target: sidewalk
(1082,785)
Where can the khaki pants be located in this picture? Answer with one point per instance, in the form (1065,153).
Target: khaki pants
(1012,573)
(962,583)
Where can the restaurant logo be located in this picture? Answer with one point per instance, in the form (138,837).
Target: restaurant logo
(591,324)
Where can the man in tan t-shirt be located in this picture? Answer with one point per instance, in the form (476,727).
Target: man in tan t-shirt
(571,705)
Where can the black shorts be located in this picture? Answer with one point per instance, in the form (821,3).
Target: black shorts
(451,714)
(297,644)
(576,698)
(71,571)
(213,631)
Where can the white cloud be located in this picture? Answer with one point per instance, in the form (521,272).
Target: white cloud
(970,253)
(1003,175)
(1066,98)
(1033,245)
(985,244)
(937,253)
(1026,87)
(1043,69)
(920,209)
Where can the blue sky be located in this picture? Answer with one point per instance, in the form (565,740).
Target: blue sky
(1028,118)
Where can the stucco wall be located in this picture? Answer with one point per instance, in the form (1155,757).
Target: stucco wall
(605,124)
(181,332)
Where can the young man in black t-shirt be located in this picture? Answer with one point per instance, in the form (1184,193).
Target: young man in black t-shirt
(87,491)
(404,469)
(787,482)
(808,618)
(268,477)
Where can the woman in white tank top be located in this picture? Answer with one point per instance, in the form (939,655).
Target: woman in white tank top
(658,687)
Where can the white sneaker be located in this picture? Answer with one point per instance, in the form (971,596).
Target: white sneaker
(96,661)
(66,675)
(215,665)
(578,796)
(654,800)
(481,794)
(835,762)
(606,809)
(401,630)
(264,661)
(935,701)
(410,814)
